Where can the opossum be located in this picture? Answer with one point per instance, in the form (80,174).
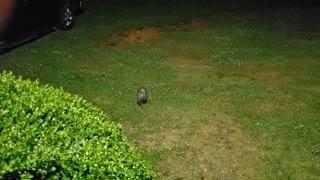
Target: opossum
(142,96)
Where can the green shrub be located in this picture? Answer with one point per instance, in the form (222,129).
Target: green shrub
(46,133)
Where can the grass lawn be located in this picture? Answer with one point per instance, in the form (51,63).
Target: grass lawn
(234,88)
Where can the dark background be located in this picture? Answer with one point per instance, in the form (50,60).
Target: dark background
(7,7)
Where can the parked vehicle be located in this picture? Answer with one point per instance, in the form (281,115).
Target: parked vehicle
(31,18)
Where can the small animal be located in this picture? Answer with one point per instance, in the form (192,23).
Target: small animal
(142,96)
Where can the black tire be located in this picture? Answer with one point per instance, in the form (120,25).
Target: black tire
(66,17)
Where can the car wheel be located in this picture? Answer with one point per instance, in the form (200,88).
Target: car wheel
(66,17)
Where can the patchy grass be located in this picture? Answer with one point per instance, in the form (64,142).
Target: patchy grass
(234,88)
(131,37)
(217,150)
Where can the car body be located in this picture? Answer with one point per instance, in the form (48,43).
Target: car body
(31,18)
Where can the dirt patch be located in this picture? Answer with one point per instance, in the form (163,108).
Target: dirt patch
(138,36)
(133,36)
(163,140)
(217,151)
(201,143)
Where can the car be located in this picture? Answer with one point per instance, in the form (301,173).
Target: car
(33,18)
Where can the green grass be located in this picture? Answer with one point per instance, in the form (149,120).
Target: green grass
(237,97)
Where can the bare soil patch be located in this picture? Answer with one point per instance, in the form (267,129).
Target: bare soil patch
(161,140)
(202,143)
(141,35)
(133,36)
(217,151)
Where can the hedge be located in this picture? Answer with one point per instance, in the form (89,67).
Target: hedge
(46,133)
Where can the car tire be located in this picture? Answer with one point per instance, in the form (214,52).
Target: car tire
(66,17)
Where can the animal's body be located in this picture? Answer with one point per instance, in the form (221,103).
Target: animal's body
(142,96)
